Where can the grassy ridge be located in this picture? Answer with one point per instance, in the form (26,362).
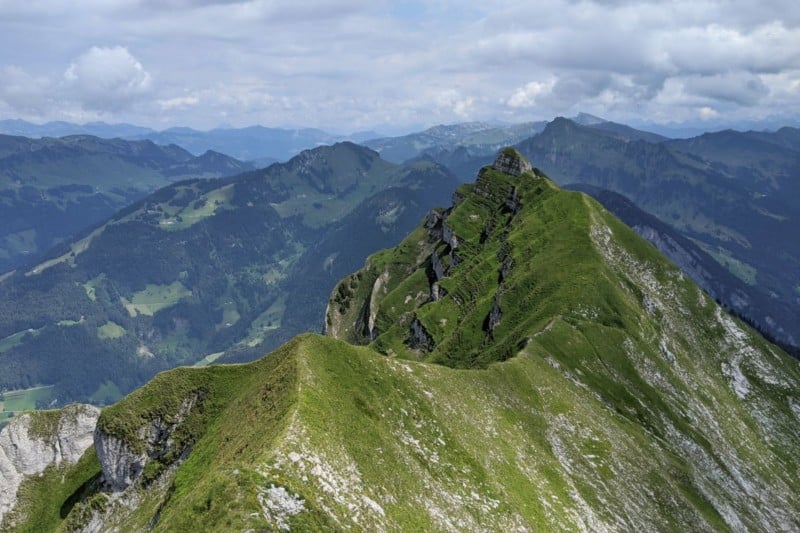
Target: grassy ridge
(609,393)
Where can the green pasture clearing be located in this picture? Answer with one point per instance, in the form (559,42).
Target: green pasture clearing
(75,249)
(110,330)
(13,340)
(204,207)
(91,286)
(268,320)
(230,312)
(69,323)
(17,401)
(21,241)
(155,298)
(207,360)
(738,268)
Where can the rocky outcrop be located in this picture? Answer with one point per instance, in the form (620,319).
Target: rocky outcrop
(449,237)
(378,289)
(493,320)
(123,462)
(420,338)
(34,441)
(511,162)
(513,202)
(433,223)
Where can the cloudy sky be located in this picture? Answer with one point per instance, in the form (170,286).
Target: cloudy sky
(349,65)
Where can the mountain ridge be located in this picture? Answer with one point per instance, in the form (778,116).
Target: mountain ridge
(633,403)
(734,209)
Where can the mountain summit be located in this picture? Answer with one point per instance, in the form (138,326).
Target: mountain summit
(511,162)
(529,363)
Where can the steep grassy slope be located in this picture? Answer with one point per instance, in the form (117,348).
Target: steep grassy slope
(325,436)
(203,267)
(729,192)
(551,274)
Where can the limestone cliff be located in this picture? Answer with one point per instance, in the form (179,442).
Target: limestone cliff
(34,441)
(123,463)
(510,161)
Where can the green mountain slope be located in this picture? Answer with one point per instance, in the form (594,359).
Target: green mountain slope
(746,301)
(596,389)
(729,192)
(51,189)
(205,270)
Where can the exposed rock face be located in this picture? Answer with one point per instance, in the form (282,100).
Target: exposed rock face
(509,161)
(493,320)
(23,453)
(420,338)
(449,237)
(122,464)
(512,202)
(373,302)
(433,222)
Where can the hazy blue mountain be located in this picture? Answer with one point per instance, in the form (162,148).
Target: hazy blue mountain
(259,144)
(621,130)
(480,138)
(251,143)
(215,269)
(466,147)
(62,129)
(52,188)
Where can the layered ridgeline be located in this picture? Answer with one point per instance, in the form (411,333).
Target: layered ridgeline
(205,267)
(596,388)
(454,141)
(254,143)
(51,189)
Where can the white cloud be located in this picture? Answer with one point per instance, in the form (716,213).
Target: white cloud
(339,64)
(707,113)
(22,91)
(106,79)
(179,102)
(527,95)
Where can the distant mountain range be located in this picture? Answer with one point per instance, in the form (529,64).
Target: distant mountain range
(51,189)
(205,269)
(727,191)
(258,144)
(476,138)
